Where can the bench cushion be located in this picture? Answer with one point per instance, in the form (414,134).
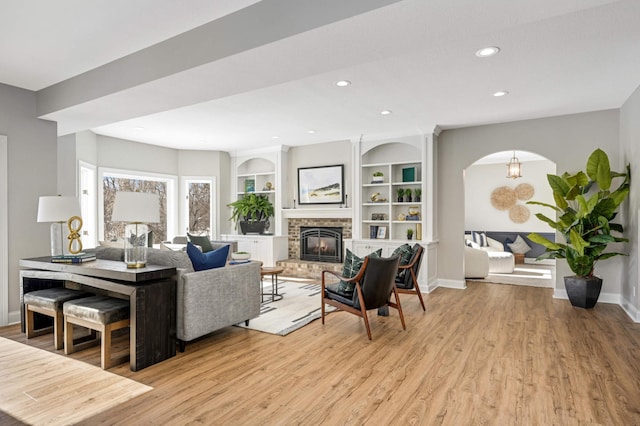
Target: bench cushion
(53,298)
(98,309)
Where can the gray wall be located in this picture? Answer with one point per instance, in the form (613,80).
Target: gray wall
(32,171)
(630,144)
(566,140)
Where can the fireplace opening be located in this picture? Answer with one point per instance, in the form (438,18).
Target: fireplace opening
(321,244)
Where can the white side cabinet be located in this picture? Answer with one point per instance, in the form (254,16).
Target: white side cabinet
(266,248)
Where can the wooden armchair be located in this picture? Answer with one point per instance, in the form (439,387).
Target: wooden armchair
(373,285)
(408,282)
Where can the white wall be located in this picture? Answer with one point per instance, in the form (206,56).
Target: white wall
(566,140)
(480,181)
(630,147)
(323,154)
(32,151)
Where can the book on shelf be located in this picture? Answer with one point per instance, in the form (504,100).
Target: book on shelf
(74,258)
(373,232)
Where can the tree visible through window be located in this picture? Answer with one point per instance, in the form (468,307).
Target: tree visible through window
(200,208)
(113,184)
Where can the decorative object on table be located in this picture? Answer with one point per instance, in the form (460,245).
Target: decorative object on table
(251,212)
(58,210)
(321,185)
(137,209)
(514,168)
(378,216)
(400,193)
(241,256)
(378,177)
(409,174)
(382,232)
(410,234)
(74,224)
(74,258)
(249,185)
(377,198)
(402,216)
(268,186)
(524,191)
(417,195)
(503,198)
(586,206)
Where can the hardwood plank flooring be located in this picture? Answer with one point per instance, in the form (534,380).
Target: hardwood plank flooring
(491,354)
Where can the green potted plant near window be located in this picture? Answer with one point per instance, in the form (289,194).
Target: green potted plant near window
(251,212)
(585,207)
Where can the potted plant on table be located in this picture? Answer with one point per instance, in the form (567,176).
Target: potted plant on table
(252,212)
(585,207)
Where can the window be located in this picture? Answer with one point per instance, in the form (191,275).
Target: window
(88,202)
(198,208)
(121,180)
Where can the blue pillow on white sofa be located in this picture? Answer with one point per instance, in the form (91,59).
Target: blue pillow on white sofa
(212,259)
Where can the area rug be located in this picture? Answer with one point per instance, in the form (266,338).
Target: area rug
(525,274)
(44,388)
(299,306)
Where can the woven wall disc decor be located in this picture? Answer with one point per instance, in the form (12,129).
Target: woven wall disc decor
(503,198)
(524,191)
(519,214)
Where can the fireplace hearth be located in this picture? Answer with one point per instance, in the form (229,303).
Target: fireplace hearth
(321,244)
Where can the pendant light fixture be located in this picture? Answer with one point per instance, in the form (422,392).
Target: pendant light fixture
(514,168)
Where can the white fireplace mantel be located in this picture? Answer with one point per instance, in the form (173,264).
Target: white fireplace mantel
(309,213)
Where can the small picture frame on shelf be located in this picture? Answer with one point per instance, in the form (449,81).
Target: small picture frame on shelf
(382,232)
(249,185)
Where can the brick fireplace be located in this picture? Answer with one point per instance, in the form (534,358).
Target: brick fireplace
(306,268)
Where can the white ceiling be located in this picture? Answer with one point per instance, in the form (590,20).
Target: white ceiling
(270,69)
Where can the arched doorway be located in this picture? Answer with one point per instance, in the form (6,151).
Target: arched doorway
(496,208)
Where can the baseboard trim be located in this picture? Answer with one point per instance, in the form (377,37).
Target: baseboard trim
(604,297)
(14,317)
(455,284)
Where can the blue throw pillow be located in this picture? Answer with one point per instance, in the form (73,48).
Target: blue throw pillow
(203,261)
(506,243)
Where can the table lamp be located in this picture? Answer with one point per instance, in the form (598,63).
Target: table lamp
(137,209)
(58,209)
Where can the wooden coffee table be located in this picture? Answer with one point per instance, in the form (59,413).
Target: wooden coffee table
(274,271)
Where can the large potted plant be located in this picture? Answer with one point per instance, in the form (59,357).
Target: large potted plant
(585,207)
(251,212)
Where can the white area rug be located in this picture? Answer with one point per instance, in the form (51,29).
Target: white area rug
(525,274)
(299,306)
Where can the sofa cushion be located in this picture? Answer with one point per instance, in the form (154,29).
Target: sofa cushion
(202,241)
(203,261)
(519,246)
(177,259)
(352,265)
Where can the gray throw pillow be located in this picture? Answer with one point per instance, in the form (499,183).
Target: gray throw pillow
(202,241)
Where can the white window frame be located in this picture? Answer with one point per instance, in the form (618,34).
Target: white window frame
(89,203)
(184,205)
(172,195)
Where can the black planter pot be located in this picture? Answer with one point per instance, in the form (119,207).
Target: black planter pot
(252,227)
(583,292)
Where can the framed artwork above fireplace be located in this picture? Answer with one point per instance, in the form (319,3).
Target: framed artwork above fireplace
(321,185)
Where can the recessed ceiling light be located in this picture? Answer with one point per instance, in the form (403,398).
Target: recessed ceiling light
(343,83)
(139,129)
(275,137)
(311,131)
(485,52)
(500,93)
(386,112)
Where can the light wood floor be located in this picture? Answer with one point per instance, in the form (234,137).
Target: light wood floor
(491,354)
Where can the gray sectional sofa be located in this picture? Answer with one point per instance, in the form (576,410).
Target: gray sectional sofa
(206,300)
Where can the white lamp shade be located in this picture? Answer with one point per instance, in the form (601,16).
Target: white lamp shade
(58,208)
(139,207)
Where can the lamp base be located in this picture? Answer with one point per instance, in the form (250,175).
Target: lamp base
(135,245)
